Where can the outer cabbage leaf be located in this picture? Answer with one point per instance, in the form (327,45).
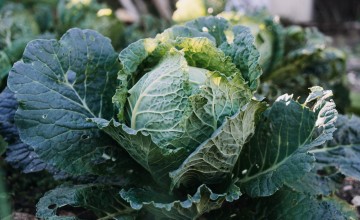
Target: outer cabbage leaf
(314,184)
(288,204)
(164,206)
(103,200)
(213,161)
(343,151)
(18,154)
(58,86)
(278,152)
(140,147)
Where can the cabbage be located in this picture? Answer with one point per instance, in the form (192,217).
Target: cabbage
(170,127)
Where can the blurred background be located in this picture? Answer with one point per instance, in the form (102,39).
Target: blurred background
(125,21)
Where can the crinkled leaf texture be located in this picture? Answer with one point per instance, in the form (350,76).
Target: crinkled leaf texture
(215,26)
(166,207)
(241,49)
(278,153)
(144,55)
(58,85)
(103,200)
(343,151)
(157,102)
(213,161)
(201,48)
(178,99)
(245,55)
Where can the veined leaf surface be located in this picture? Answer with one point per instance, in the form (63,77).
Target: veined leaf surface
(343,151)
(213,161)
(58,85)
(278,152)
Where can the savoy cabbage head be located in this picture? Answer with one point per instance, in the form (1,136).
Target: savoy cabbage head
(170,127)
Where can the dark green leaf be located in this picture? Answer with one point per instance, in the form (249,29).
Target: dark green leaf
(104,201)
(343,151)
(244,54)
(278,152)
(18,154)
(140,146)
(58,86)
(314,184)
(288,204)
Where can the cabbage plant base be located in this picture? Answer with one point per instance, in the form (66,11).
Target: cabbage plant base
(251,157)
